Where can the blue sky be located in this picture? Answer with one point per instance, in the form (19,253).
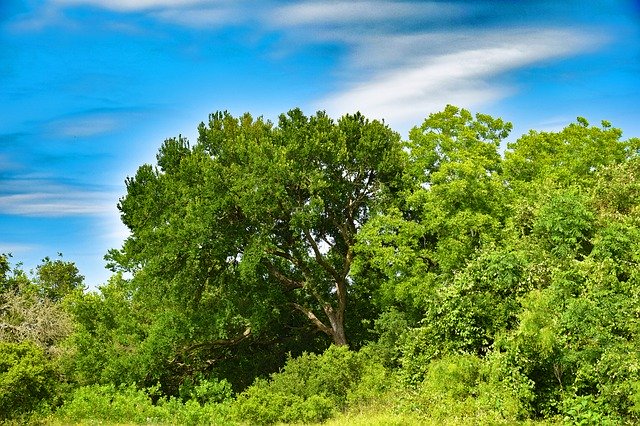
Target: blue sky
(89,89)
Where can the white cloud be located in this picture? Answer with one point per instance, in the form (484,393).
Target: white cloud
(467,75)
(402,60)
(40,195)
(189,13)
(402,77)
(69,203)
(199,17)
(40,19)
(130,5)
(85,126)
(92,122)
(360,12)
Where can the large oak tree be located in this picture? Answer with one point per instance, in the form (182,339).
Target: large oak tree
(256,219)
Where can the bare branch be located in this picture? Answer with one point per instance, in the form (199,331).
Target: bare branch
(319,258)
(289,283)
(314,319)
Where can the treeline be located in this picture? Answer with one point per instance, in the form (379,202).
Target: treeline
(313,268)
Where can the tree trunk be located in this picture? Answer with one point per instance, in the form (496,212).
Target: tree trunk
(338,335)
(337,325)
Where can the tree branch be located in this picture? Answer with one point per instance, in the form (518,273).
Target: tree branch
(319,258)
(289,283)
(314,319)
(220,342)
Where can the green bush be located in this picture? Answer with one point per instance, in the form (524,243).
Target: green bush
(466,388)
(205,391)
(109,403)
(262,404)
(585,410)
(127,404)
(192,413)
(503,389)
(309,388)
(27,379)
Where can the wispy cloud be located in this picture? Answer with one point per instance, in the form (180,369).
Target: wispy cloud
(201,17)
(467,76)
(84,127)
(402,60)
(361,12)
(56,204)
(130,5)
(92,122)
(41,18)
(46,196)
(188,13)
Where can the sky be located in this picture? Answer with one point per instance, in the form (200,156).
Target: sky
(89,89)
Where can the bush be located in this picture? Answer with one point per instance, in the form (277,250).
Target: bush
(309,388)
(27,379)
(127,404)
(465,387)
(205,391)
(108,403)
(450,385)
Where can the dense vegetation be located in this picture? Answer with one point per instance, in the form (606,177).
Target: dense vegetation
(313,268)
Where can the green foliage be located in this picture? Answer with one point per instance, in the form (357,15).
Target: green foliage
(470,389)
(570,156)
(12,278)
(264,215)
(57,278)
(28,380)
(455,205)
(106,342)
(539,269)
(309,388)
(474,287)
(127,404)
(564,223)
(205,391)
(109,403)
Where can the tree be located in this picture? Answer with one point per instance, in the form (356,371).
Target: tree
(456,202)
(257,220)
(31,308)
(57,278)
(572,155)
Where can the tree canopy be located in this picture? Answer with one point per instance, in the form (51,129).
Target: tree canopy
(292,271)
(250,231)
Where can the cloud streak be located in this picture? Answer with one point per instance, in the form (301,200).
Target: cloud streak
(401,60)
(15,248)
(468,77)
(41,196)
(401,64)
(56,204)
(130,5)
(361,12)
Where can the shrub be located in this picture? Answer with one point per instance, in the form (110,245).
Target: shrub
(108,403)
(27,379)
(464,387)
(309,388)
(127,404)
(205,391)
